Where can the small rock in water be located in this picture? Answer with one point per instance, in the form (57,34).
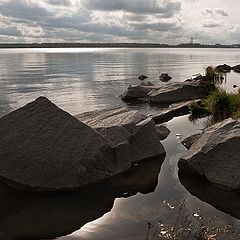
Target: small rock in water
(164,77)
(142,77)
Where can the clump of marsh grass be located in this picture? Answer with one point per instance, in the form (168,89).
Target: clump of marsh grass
(210,73)
(223,105)
(197,110)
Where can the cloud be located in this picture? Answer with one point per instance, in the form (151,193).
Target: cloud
(214,12)
(159,27)
(211,24)
(171,21)
(135,6)
(222,12)
(59,2)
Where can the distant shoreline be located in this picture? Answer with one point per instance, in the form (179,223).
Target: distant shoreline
(113,45)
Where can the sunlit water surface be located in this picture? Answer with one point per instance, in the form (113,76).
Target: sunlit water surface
(80,80)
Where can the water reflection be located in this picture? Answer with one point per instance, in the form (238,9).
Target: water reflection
(223,199)
(34,216)
(80,80)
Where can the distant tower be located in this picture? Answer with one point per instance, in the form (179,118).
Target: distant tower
(191,40)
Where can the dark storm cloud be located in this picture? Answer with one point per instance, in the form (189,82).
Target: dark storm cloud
(135,6)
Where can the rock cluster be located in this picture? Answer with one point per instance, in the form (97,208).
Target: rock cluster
(44,148)
(167,93)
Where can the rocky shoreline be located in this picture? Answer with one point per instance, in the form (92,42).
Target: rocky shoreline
(44,148)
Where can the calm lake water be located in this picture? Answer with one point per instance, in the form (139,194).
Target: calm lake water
(80,80)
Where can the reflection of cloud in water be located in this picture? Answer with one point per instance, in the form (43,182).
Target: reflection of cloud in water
(26,215)
(129,217)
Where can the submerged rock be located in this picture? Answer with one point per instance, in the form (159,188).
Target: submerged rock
(43,148)
(164,77)
(215,155)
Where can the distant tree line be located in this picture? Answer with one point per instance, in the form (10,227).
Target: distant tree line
(113,45)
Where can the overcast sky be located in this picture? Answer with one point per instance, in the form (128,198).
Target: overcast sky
(158,21)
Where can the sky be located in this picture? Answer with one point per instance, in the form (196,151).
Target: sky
(148,21)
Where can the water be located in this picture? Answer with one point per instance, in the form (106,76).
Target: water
(81,80)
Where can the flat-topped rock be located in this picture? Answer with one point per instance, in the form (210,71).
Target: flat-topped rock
(215,155)
(168,93)
(121,125)
(118,116)
(176,92)
(174,110)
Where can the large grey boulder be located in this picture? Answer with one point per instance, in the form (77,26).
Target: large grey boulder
(43,148)
(167,93)
(215,155)
(176,92)
(121,125)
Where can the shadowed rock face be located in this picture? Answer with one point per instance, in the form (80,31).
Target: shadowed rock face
(28,216)
(44,148)
(121,125)
(215,155)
